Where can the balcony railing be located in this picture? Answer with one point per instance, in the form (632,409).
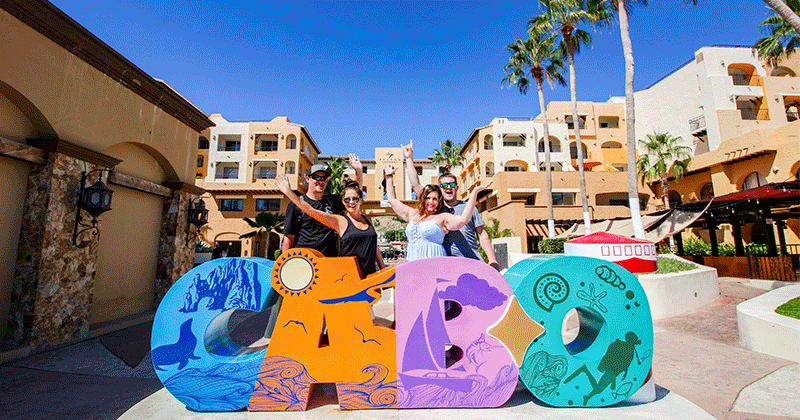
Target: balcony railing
(697,123)
(740,79)
(792,115)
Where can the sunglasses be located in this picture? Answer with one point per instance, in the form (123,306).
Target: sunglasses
(351,199)
(449,184)
(320,178)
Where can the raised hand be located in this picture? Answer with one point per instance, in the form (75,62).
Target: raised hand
(283,184)
(479,188)
(388,169)
(408,150)
(355,162)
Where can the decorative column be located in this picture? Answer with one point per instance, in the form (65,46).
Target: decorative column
(176,247)
(54,279)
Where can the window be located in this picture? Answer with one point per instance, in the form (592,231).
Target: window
(611,145)
(230,172)
(530,200)
(419,170)
(256,249)
(489,169)
(232,146)
(571,125)
(290,168)
(291,142)
(199,161)
(488,142)
(674,199)
(269,146)
(514,141)
(573,151)
(707,192)
(268,171)
(608,122)
(555,145)
(231,204)
(754,180)
(229,143)
(268,204)
(202,143)
(513,169)
(563,199)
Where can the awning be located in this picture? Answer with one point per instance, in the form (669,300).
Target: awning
(676,221)
(672,220)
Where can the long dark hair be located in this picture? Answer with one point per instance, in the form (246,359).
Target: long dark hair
(424,194)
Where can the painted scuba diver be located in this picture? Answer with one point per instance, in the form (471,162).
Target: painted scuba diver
(617,360)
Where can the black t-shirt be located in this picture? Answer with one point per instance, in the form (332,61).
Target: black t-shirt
(363,244)
(309,233)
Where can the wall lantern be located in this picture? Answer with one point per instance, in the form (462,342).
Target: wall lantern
(95,200)
(198,217)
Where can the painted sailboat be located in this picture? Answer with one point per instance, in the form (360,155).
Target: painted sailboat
(424,357)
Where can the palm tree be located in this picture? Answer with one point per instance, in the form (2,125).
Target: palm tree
(448,154)
(537,56)
(782,38)
(788,11)
(622,7)
(336,180)
(663,156)
(560,17)
(265,222)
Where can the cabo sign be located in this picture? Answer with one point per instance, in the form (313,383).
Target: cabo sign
(464,333)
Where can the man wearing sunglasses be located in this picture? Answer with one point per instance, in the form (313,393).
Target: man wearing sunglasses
(457,243)
(301,230)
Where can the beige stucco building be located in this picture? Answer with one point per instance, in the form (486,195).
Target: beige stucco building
(740,117)
(70,104)
(511,152)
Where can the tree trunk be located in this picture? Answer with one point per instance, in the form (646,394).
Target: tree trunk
(587,221)
(786,13)
(630,119)
(551,228)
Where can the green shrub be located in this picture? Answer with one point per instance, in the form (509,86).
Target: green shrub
(790,308)
(376,222)
(552,246)
(695,246)
(664,249)
(395,236)
(276,254)
(727,249)
(671,265)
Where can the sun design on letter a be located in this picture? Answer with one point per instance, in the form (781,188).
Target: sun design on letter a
(594,300)
(296,273)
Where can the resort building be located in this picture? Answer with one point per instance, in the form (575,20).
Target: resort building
(242,161)
(740,117)
(511,152)
(70,105)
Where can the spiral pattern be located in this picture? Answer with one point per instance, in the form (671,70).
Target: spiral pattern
(549,290)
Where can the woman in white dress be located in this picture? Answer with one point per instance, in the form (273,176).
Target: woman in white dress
(427,224)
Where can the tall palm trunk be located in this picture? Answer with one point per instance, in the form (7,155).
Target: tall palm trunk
(587,221)
(630,119)
(785,12)
(551,228)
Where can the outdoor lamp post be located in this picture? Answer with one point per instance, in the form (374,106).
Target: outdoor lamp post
(95,200)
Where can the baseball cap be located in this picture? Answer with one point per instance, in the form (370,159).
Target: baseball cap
(319,167)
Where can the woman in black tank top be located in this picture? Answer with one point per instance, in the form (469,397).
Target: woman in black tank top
(358,236)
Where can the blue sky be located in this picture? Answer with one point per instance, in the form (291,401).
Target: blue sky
(361,75)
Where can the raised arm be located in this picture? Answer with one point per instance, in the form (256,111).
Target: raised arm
(402,210)
(486,245)
(333,221)
(355,162)
(453,221)
(411,171)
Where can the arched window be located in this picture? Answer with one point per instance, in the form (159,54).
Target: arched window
(488,142)
(741,73)
(515,166)
(611,145)
(291,141)
(707,192)
(290,168)
(555,145)
(202,143)
(489,169)
(554,166)
(573,150)
(753,180)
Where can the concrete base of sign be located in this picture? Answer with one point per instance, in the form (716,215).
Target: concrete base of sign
(676,293)
(763,330)
(162,405)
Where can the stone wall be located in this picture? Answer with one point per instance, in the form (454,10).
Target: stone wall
(175,251)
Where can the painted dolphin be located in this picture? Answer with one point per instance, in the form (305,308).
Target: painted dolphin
(180,352)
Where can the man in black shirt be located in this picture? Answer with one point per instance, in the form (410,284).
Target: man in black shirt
(301,230)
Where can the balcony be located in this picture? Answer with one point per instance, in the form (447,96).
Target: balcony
(697,124)
(753,114)
(792,116)
(741,79)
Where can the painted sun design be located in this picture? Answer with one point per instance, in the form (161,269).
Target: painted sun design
(295,273)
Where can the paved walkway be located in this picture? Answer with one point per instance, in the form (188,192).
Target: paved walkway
(697,356)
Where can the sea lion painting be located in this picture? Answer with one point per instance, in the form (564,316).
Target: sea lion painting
(180,352)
